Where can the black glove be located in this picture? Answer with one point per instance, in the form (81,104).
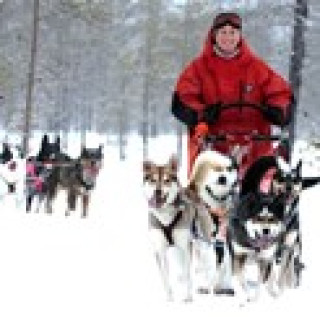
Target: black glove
(183,112)
(273,114)
(211,113)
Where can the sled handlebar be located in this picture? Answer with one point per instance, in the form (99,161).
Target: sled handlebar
(240,105)
(262,137)
(247,136)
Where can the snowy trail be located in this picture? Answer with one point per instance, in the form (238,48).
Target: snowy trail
(54,267)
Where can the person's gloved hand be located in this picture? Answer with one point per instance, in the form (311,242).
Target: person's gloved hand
(273,114)
(201,130)
(211,113)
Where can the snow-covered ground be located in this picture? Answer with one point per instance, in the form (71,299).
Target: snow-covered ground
(102,267)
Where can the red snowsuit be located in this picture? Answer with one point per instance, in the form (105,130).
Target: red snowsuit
(210,79)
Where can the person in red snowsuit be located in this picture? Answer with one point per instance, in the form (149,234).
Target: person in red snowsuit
(225,72)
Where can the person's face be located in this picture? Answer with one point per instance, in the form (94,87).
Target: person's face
(228,38)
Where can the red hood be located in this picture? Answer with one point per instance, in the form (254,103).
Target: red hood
(244,57)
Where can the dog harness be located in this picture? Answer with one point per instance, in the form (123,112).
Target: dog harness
(167,230)
(79,175)
(219,215)
(11,186)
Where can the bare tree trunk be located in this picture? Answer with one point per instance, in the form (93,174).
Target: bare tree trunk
(146,83)
(145,117)
(83,135)
(298,52)
(31,77)
(122,120)
(184,55)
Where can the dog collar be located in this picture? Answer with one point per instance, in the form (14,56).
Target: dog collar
(178,204)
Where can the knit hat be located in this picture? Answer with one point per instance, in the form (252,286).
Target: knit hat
(227,18)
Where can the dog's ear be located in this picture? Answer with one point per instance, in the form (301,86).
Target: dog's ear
(83,150)
(173,163)
(100,151)
(58,140)
(197,173)
(57,143)
(299,169)
(234,162)
(146,166)
(252,200)
(6,148)
(283,165)
(45,140)
(237,153)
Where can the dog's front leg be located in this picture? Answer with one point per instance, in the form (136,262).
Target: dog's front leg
(275,280)
(247,272)
(162,262)
(294,266)
(160,247)
(37,200)
(179,260)
(252,278)
(71,201)
(283,272)
(49,200)
(40,201)
(204,257)
(238,263)
(297,265)
(238,271)
(223,283)
(85,204)
(29,203)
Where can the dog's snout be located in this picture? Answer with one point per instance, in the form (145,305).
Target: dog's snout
(158,193)
(266,231)
(222,180)
(289,188)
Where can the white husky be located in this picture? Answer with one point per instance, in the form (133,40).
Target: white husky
(12,177)
(213,180)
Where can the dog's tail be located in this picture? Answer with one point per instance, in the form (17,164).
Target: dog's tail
(309,182)
(253,176)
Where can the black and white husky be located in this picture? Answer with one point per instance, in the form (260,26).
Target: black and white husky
(286,186)
(255,231)
(170,217)
(12,174)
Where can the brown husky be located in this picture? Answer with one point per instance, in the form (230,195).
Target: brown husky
(171,214)
(76,177)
